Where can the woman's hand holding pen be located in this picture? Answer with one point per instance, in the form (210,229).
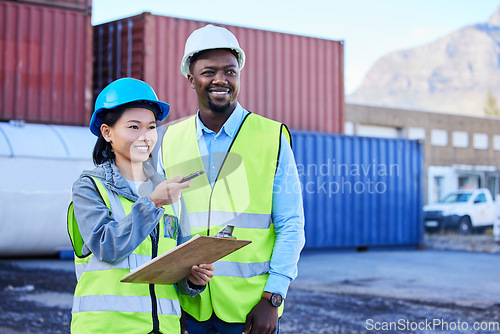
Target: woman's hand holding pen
(169,191)
(201,274)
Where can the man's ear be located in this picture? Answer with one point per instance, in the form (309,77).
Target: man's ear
(190,80)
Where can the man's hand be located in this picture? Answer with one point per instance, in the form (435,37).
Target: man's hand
(169,191)
(262,319)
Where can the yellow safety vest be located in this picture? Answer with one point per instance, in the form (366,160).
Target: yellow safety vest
(103,304)
(241,196)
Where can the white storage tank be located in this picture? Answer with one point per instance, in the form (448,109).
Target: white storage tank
(39,164)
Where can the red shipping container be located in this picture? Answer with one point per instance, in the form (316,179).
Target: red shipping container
(45,63)
(293,79)
(81,5)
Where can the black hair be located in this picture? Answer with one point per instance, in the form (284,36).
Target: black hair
(195,57)
(103,150)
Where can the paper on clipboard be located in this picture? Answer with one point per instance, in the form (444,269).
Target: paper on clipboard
(174,265)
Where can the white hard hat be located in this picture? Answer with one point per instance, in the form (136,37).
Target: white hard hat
(207,38)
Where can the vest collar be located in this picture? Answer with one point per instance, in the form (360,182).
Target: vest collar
(116,182)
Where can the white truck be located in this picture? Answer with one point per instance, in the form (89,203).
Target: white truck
(464,211)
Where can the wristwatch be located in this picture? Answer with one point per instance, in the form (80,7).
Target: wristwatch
(274,298)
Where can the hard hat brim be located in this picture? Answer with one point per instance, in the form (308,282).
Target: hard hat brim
(186,60)
(96,121)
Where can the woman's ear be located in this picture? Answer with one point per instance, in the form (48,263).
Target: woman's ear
(106,132)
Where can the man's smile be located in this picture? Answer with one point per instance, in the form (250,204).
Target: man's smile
(219,93)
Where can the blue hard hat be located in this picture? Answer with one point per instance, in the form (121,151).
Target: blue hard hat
(120,92)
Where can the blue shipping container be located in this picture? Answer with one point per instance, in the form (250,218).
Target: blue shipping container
(360,191)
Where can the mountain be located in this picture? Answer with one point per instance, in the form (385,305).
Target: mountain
(452,74)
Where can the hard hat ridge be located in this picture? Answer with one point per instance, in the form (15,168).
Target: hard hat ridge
(207,38)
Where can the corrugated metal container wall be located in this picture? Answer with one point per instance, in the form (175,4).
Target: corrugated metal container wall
(81,5)
(45,64)
(360,191)
(293,79)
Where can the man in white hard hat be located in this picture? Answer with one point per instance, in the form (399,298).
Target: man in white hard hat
(251,182)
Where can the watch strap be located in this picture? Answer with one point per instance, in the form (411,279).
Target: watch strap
(269,296)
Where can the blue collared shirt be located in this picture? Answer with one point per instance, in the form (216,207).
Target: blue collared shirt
(287,210)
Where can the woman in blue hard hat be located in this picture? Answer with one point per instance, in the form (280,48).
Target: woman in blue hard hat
(124,214)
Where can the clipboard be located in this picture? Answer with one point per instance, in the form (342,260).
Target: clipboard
(174,265)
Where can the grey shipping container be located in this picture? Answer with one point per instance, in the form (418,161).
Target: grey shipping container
(360,192)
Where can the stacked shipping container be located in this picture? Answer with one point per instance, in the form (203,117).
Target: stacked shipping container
(45,62)
(294,79)
(79,5)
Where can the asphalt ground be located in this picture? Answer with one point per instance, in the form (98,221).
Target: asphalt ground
(378,291)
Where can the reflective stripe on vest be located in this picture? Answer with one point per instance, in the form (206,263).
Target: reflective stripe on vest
(241,196)
(123,304)
(244,270)
(100,294)
(221,218)
(131,262)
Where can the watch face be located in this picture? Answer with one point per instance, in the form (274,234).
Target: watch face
(276,299)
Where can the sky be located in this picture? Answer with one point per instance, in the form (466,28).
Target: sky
(369,29)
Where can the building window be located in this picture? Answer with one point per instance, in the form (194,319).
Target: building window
(439,137)
(469,182)
(460,139)
(492,184)
(378,131)
(438,188)
(462,181)
(480,141)
(496,142)
(416,133)
(349,128)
